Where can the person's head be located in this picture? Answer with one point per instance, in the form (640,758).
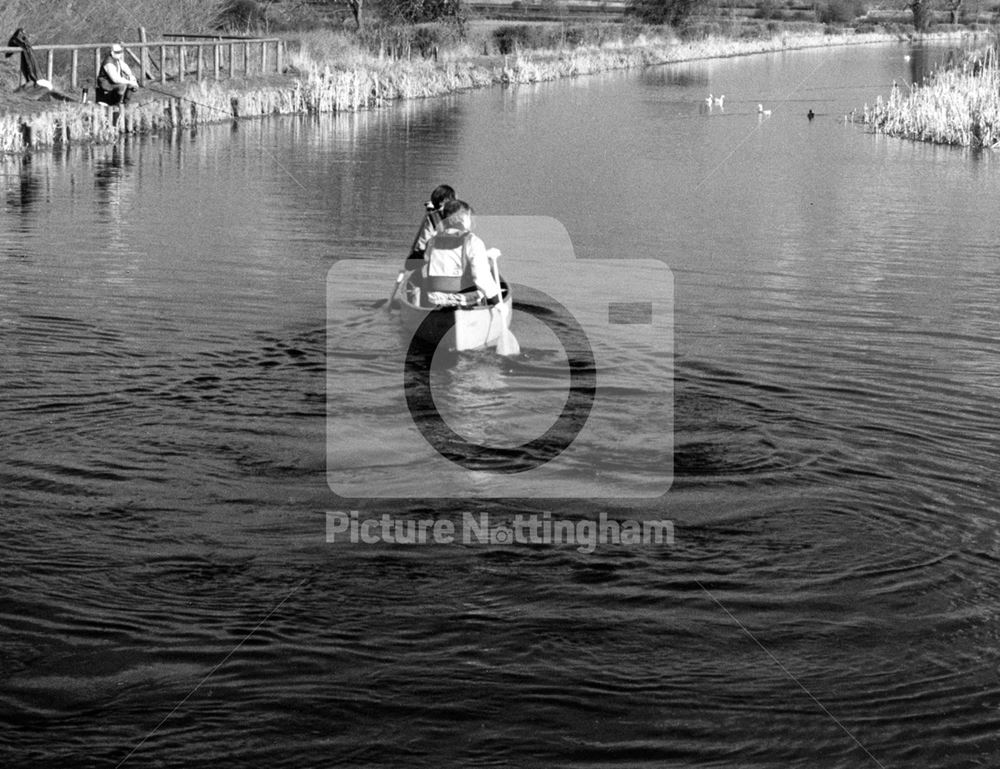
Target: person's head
(457,214)
(441,195)
(117,51)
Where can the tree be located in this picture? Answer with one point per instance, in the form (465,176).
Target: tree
(356,7)
(411,11)
(954,7)
(921,14)
(415,11)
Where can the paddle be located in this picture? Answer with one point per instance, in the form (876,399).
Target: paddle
(507,343)
(399,280)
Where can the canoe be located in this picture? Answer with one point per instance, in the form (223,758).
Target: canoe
(475,326)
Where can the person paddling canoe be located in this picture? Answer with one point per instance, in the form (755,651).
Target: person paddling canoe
(457,265)
(429,226)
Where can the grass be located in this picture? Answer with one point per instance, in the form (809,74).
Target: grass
(83,21)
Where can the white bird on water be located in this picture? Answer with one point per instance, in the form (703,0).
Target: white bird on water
(763,112)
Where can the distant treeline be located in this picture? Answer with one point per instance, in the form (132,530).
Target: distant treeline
(864,15)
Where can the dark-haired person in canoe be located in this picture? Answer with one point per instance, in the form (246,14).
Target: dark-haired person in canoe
(457,269)
(430,225)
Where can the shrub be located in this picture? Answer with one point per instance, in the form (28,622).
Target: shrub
(415,11)
(631,29)
(755,30)
(400,41)
(428,38)
(514,37)
(840,11)
(699,30)
(768,9)
(302,15)
(242,15)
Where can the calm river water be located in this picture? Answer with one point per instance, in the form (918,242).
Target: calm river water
(830,597)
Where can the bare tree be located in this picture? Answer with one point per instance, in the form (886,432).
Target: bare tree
(921,13)
(356,6)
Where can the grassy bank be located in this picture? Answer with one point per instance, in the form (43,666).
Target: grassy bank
(325,78)
(958,105)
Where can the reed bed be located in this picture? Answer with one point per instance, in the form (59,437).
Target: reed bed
(959,106)
(361,81)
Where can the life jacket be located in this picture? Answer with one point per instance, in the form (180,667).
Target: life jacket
(448,268)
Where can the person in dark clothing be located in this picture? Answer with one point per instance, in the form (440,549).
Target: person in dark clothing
(29,67)
(430,224)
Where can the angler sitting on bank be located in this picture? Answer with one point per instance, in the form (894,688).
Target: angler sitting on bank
(115,81)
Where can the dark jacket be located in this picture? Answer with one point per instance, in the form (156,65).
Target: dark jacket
(29,67)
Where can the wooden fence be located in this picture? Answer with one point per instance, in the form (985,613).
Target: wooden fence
(163,60)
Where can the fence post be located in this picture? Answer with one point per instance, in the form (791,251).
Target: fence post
(246,59)
(52,55)
(263,57)
(97,68)
(215,59)
(163,63)
(181,63)
(140,63)
(198,70)
(74,75)
(277,57)
(144,64)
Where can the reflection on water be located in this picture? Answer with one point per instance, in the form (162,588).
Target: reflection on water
(164,339)
(683,75)
(115,189)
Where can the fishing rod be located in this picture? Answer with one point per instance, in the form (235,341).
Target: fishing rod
(185,98)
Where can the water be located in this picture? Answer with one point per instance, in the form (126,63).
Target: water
(829,599)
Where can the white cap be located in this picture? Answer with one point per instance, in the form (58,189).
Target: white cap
(116,49)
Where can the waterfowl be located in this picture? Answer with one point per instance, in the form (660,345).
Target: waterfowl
(763,112)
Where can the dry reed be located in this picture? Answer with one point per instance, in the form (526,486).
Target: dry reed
(959,105)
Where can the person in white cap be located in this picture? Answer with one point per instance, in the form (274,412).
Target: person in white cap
(115,81)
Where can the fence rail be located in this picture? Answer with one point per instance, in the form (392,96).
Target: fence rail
(165,60)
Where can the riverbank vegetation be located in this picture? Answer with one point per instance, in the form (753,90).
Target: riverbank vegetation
(957,105)
(329,72)
(386,50)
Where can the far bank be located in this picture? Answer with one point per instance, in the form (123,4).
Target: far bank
(312,84)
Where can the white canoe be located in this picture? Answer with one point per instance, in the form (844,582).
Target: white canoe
(474,326)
